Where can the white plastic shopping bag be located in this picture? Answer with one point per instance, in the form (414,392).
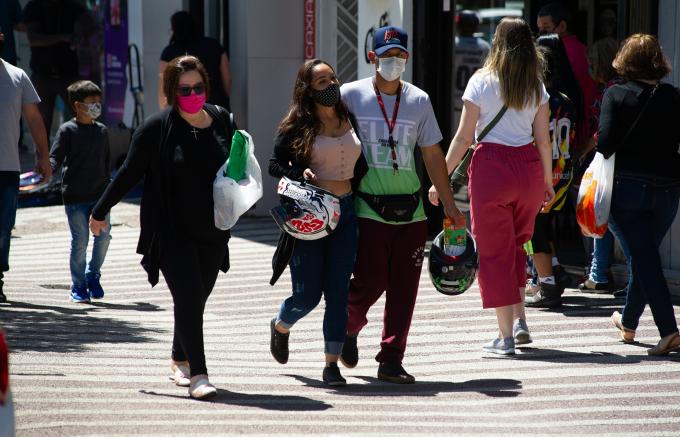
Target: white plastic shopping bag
(595,196)
(233,198)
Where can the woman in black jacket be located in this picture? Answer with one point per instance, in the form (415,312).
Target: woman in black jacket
(639,122)
(178,152)
(317,141)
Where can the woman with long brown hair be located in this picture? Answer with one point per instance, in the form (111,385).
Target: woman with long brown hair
(510,173)
(318,142)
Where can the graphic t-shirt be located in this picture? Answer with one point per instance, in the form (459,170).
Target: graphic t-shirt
(562,133)
(415,124)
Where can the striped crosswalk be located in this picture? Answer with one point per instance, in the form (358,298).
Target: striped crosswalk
(102,369)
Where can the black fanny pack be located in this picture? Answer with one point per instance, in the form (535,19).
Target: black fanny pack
(393,207)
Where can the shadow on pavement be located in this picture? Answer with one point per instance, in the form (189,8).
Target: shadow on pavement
(32,327)
(265,402)
(594,357)
(375,387)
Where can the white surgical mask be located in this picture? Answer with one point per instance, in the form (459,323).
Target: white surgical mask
(94,110)
(391,68)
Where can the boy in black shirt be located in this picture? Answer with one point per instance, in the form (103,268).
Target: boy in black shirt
(81,146)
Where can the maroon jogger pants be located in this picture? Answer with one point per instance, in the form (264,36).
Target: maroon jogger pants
(389,259)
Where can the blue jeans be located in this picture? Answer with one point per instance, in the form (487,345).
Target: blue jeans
(78,215)
(602,249)
(644,208)
(9,188)
(324,267)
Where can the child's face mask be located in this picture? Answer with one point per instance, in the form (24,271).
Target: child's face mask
(93,110)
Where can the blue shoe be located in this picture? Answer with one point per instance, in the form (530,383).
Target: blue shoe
(79,295)
(93,286)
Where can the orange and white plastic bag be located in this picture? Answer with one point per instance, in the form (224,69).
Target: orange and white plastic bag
(595,196)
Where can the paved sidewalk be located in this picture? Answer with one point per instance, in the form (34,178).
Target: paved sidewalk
(102,369)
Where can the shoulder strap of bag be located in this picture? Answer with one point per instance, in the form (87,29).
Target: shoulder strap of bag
(642,111)
(493,123)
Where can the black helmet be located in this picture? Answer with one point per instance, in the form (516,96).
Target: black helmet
(453,275)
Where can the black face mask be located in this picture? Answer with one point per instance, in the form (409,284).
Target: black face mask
(328,96)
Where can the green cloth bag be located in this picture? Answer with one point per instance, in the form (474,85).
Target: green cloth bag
(238,157)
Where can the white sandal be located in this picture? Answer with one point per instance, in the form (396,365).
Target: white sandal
(180,375)
(202,388)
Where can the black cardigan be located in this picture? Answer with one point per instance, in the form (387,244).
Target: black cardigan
(283,163)
(150,157)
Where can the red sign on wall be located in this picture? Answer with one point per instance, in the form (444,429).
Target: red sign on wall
(310,29)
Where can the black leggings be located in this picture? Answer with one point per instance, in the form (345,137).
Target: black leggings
(190,269)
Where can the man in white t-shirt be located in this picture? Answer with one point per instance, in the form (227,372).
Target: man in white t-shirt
(470,52)
(394,117)
(18,98)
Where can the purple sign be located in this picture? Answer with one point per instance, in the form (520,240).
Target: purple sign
(115,59)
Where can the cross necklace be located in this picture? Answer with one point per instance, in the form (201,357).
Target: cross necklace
(194,131)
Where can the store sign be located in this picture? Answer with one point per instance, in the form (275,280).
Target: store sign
(115,59)
(310,29)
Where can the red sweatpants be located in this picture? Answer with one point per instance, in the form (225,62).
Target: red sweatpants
(506,190)
(389,258)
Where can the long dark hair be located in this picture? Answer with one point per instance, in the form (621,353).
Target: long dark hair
(558,69)
(183,29)
(301,122)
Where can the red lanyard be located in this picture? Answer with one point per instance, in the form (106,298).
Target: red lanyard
(390,125)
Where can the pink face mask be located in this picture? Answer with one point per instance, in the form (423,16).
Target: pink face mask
(191,103)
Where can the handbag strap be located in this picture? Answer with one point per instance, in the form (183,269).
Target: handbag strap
(490,126)
(642,111)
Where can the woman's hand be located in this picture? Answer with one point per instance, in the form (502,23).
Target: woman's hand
(548,193)
(97,226)
(309,175)
(433,196)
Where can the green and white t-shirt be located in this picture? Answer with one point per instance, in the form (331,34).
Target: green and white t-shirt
(415,124)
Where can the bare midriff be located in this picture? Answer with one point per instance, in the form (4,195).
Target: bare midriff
(338,188)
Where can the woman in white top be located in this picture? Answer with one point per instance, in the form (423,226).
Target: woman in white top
(510,172)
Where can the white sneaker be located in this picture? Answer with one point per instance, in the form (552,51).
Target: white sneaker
(180,374)
(531,289)
(520,332)
(500,346)
(201,388)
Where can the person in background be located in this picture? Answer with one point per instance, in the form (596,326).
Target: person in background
(19,99)
(81,147)
(469,53)
(317,142)
(554,18)
(639,123)
(600,57)
(11,19)
(177,152)
(510,172)
(395,117)
(559,80)
(52,30)
(185,40)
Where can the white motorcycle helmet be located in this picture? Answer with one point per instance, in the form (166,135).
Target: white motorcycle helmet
(307,212)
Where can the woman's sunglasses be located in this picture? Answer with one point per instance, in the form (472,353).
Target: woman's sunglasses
(185,91)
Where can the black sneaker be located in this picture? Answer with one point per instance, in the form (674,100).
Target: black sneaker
(278,344)
(622,293)
(350,353)
(332,376)
(549,296)
(589,286)
(394,372)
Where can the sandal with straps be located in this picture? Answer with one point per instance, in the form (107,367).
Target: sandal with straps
(667,344)
(180,374)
